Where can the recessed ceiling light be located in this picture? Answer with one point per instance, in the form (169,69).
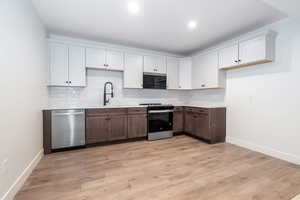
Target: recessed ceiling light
(133,7)
(192,24)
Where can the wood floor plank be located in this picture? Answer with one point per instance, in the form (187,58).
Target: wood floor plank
(180,168)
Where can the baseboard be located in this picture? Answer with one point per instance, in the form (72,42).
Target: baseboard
(265,150)
(17,185)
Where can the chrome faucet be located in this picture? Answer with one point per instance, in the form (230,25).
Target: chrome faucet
(106,100)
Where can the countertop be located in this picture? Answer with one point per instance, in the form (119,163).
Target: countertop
(131,106)
(95,107)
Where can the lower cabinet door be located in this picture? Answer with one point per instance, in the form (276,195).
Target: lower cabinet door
(188,123)
(118,127)
(202,126)
(137,126)
(97,129)
(178,122)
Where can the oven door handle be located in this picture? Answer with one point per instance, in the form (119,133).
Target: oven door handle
(160,111)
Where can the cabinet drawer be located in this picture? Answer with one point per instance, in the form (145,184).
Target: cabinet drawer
(201,110)
(91,112)
(106,111)
(196,110)
(178,109)
(137,110)
(118,111)
(188,109)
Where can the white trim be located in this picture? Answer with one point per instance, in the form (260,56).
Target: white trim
(17,185)
(265,150)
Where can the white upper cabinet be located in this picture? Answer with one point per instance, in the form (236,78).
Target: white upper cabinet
(67,67)
(58,65)
(205,72)
(133,71)
(173,73)
(185,73)
(98,58)
(155,64)
(95,58)
(256,50)
(229,56)
(77,71)
(115,60)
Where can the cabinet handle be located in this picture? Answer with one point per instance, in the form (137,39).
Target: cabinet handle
(240,60)
(203,85)
(70,81)
(235,61)
(67,81)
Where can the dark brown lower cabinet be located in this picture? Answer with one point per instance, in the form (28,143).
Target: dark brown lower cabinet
(178,120)
(104,125)
(201,126)
(117,127)
(188,125)
(206,123)
(114,124)
(137,125)
(97,129)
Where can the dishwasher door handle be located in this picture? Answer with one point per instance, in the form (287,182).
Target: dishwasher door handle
(68,114)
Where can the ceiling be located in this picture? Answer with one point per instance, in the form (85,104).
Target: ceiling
(290,7)
(160,24)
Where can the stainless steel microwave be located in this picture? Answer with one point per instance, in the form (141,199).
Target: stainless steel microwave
(154,81)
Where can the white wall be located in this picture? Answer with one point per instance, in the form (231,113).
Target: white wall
(263,101)
(92,95)
(23,92)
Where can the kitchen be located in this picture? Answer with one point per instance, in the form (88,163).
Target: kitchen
(157,112)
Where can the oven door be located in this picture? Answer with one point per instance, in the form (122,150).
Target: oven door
(160,121)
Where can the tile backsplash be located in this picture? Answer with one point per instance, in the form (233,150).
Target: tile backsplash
(92,95)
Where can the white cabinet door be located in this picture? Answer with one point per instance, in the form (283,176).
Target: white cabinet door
(155,64)
(172,73)
(229,56)
(77,71)
(58,64)
(251,51)
(185,73)
(161,64)
(115,60)
(96,58)
(133,71)
(150,64)
(205,72)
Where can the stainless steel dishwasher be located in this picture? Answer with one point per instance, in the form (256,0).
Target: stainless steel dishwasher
(68,128)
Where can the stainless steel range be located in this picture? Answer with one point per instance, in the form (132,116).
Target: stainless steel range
(160,121)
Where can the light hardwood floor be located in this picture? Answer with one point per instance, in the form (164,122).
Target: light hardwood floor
(181,168)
